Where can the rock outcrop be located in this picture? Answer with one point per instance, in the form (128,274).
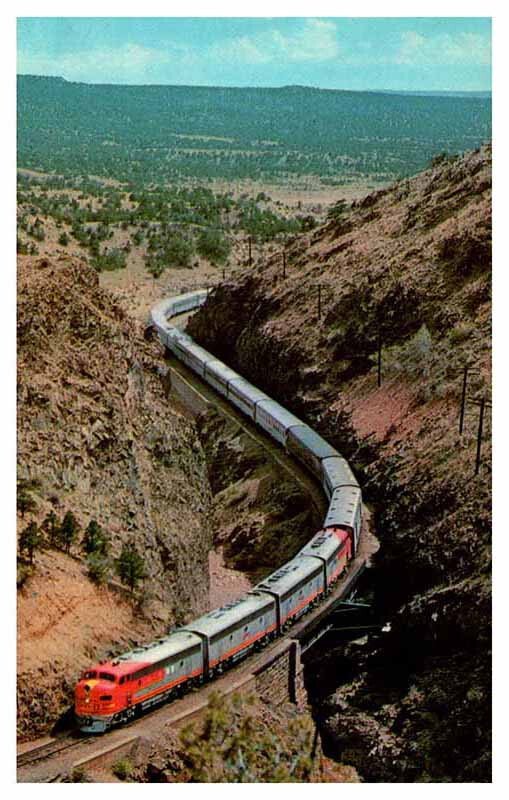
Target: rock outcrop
(98,436)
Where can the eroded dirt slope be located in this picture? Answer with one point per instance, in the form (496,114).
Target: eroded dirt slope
(97,433)
(410,264)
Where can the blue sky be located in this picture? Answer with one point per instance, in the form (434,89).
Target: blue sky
(338,53)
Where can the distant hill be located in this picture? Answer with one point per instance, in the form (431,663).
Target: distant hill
(161,133)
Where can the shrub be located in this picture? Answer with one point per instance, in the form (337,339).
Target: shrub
(98,568)
(442,158)
(178,251)
(23,572)
(213,245)
(461,332)
(79,775)
(108,262)
(123,769)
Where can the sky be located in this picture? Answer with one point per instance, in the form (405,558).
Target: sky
(395,53)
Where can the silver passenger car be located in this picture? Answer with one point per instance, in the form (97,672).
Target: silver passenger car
(345,511)
(219,376)
(336,472)
(245,396)
(275,419)
(309,448)
(294,585)
(158,318)
(193,355)
(186,302)
(231,631)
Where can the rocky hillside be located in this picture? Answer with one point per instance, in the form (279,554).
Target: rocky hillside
(409,266)
(260,516)
(97,436)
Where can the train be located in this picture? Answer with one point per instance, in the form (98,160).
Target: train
(117,690)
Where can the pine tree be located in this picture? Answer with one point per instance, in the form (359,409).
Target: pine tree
(51,528)
(30,540)
(68,530)
(95,540)
(130,566)
(25,503)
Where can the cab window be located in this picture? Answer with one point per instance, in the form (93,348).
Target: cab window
(90,675)
(106,676)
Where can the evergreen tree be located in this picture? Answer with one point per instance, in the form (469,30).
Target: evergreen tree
(233,745)
(51,528)
(30,540)
(68,530)
(25,502)
(95,539)
(130,566)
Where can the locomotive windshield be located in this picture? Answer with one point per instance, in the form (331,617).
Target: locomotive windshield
(89,675)
(106,676)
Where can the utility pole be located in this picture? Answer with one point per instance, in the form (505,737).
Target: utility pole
(463,398)
(321,286)
(284,263)
(483,404)
(464,372)
(479,437)
(379,364)
(250,260)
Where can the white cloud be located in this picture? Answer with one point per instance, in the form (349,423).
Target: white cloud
(131,61)
(461,48)
(316,40)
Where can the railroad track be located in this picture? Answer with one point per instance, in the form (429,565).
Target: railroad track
(48,750)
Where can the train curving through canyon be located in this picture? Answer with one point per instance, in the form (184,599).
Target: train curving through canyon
(117,690)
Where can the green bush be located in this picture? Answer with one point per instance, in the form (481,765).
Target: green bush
(122,769)
(107,262)
(214,246)
(98,568)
